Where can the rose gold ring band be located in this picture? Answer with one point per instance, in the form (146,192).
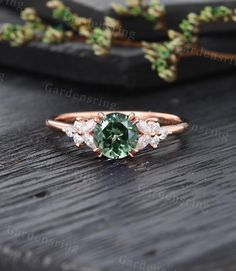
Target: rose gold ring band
(172,123)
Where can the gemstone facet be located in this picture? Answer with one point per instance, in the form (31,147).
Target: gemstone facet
(116,136)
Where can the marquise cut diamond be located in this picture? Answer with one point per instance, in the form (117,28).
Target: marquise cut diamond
(89,141)
(70,131)
(78,139)
(85,126)
(154,127)
(143,142)
(81,132)
(143,127)
(155,141)
(152,134)
(164,133)
(148,128)
(79,125)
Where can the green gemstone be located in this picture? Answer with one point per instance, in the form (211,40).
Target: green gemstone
(116,136)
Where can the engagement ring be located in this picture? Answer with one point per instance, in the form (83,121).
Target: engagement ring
(117,135)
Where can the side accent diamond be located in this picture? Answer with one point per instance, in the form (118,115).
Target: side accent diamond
(81,132)
(143,127)
(164,134)
(148,128)
(78,140)
(155,141)
(88,139)
(70,131)
(143,141)
(79,125)
(154,127)
(151,134)
(89,126)
(85,126)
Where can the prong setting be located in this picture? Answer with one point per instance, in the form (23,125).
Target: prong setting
(100,117)
(133,118)
(98,152)
(133,153)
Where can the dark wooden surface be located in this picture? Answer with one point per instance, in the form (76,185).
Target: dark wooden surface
(64,209)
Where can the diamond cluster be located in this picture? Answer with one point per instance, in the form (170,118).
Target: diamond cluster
(116,136)
(151,134)
(81,132)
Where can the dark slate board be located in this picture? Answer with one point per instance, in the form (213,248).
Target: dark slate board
(124,67)
(173,208)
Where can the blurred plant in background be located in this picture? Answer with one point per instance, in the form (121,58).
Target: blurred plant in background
(163,56)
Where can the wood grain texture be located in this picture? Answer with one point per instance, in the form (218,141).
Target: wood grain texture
(64,209)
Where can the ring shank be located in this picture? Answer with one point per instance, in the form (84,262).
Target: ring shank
(172,123)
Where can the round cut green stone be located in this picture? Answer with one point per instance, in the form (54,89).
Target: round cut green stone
(116,136)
